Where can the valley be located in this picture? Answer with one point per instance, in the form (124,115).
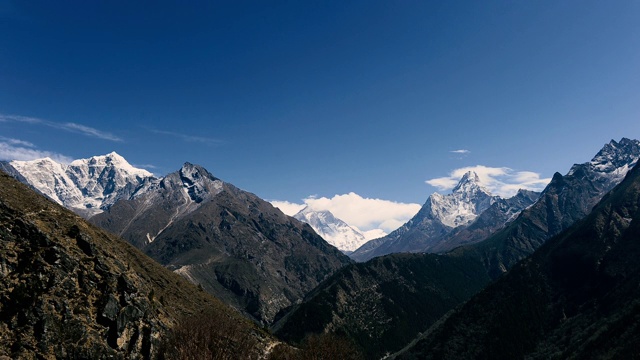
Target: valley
(278,273)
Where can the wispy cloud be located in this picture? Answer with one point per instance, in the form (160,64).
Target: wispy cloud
(86,130)
(68,126)
(18,142)
(144,166)
(460,151)
(15,149)
(501,181)
(189,138)
(367,214)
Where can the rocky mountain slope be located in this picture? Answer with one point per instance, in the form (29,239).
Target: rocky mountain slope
(574,298)
(336,303)
(383,302)
(431,228)
(71,290)
(564,201)
(335,231)
(232,243)
(86,186)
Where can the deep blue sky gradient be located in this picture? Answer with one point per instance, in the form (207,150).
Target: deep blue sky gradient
(292,98)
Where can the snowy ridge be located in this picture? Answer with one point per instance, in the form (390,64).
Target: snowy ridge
(87,186)
(468,200)
(335,231)
(612,162)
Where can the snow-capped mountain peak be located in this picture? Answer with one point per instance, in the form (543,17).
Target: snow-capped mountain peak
(612,162)
(87,186)
(112,159)
(467,200)
(469,182)
(335,231)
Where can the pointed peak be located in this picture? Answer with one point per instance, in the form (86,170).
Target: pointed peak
(614,155)
(188,167)
(194,172)
(114,156)
(470,176)
(470,180)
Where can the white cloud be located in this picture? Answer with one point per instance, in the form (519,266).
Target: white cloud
(288,208)
(69,126)
(374,234)
(85,130)
(364,213)
(501,181)
(13,149)
(461,151)
(18,142)
(189,138)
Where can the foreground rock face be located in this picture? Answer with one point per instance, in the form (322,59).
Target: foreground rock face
(69,290)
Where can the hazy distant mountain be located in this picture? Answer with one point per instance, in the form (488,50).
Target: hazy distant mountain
(575,298)
(72,291)
(235,245)
(431,228)
(86,186)
(335,231)
(564,201)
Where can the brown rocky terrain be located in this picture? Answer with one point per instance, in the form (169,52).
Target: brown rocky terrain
(71,290)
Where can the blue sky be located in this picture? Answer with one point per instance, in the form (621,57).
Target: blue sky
(293,99)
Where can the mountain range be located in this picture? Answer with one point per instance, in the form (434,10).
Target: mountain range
(278,272)
(564,201)
(336,305)
(71,290)
(230,242)
(575,298)
(439,224)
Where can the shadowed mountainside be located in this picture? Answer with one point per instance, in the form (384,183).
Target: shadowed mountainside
(71,290)
(232,243)
(575,298)
(385,301)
